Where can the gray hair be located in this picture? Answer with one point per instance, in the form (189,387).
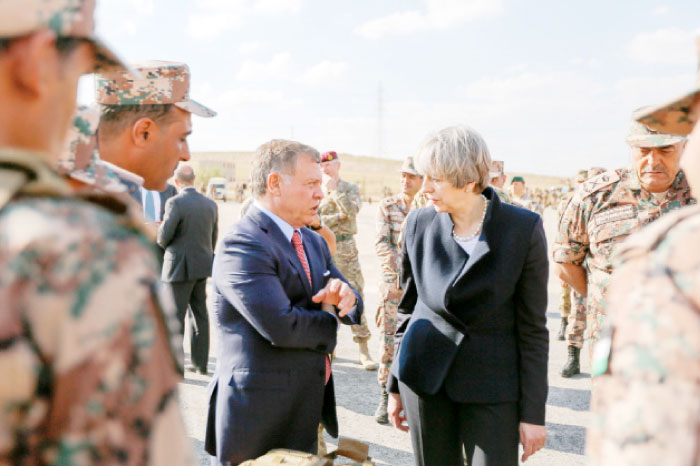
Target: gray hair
(185,174)
(277,156)
(457,154)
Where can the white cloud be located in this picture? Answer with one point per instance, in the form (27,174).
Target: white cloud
(278,68)
(661,10)
(213,17)
(438,15)
(247,48)
(325,72)
(669,46)
(639,91)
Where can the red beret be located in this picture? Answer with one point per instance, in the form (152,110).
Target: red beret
(329,156)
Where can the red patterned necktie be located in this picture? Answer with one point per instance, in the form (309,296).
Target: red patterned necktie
(299,248)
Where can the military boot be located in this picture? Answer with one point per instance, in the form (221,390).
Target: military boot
(561,336)
(365,358)
(380,415)
(572,366)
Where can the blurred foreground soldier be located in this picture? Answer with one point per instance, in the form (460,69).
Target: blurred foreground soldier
(498,180)
(338,210)
(146,120)
(188,236)
(390,217)
(647,390)
(608,208)
(90,376)
(519,196)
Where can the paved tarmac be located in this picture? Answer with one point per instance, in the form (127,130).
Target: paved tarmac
(357,392)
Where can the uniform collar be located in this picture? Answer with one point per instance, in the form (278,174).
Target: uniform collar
(41,178)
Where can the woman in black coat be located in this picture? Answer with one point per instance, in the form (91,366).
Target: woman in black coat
(470,371)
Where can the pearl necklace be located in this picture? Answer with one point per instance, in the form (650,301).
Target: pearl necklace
(477,232)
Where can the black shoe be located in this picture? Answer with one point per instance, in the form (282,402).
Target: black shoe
(380,415)
(195,369)
(572,366)
(561,336)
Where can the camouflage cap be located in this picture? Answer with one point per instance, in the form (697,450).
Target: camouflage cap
(675,117)
(642,136)
(66,18)
(581,176)
(409,167)
(79,158)
(329,156)
(159,83)
(497,168)
(595,171)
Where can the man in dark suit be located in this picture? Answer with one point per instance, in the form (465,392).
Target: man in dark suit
(278,301)
(188,236)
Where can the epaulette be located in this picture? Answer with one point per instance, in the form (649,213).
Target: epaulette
(599,182)
(11,182)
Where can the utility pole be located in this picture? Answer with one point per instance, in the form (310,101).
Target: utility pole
(380,120)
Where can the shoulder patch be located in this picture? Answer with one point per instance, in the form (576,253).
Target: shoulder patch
(599,182)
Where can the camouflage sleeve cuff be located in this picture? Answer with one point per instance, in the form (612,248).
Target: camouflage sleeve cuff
(569,253)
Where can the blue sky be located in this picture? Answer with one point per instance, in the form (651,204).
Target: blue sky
(548,84)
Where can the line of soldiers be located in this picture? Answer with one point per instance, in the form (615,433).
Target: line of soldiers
(89,341)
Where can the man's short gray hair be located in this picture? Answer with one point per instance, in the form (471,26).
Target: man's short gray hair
(277,156)
(456,154)
(185,174)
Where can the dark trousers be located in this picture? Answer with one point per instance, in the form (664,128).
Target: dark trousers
(191,297)
(442,429)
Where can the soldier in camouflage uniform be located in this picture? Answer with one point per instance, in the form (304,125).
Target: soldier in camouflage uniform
(608,208)
(498,180)
(84,345)
(338,210)
(566,291)
(390,218)
(647,367)
(519,196)
(145,118)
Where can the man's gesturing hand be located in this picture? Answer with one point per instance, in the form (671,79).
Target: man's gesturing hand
(338,294)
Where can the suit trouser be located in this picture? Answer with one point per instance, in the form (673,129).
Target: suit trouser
(191,297)
(441,428)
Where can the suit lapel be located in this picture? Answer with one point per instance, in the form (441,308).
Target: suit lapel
(449,255)
(286,246)
(315,261)
(482,246)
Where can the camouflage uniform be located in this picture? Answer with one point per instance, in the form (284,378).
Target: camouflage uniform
(92,379)
(502,195)
(496,169)
(526,202)
(647,390)
(346,200)
(603,212)
(648,401)
(390,218)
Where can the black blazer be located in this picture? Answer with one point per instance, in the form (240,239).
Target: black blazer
(188,235)
(475,325)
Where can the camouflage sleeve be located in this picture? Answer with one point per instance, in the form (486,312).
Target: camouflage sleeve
(93,377)
(646,405)
(348,200)
(571,245)
(330,220)
(387,252)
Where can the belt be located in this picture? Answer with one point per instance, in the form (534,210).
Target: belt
(341,238)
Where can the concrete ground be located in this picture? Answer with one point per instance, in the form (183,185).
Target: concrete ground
(357,392)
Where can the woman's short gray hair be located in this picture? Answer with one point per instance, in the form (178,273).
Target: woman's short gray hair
(456,154)
(277,156)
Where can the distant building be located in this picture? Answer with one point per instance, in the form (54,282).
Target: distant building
(224,162)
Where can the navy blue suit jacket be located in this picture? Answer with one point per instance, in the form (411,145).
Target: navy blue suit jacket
(273,342)
(475,324)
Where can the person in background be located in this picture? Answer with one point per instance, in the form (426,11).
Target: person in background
(188,237)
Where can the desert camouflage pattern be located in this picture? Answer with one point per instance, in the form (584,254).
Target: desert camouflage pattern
(675,117)
(647,403)
(90,377)
(354,450)
(502,194)
(79,158)
(603,212)
(66,18)
(159,83)
(640,135)
(392,213)
(338,211)
(527,202)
